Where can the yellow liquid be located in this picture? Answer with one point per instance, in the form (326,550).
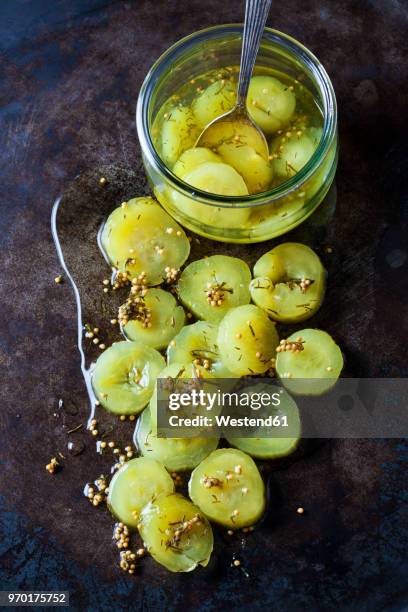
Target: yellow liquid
(306,115)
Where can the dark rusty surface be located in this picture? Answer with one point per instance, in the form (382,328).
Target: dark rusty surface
(70,74)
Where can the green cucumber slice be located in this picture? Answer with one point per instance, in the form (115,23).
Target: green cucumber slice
(197,344)
(134,485)
(140,236)
(192,158)
(256,171)
(289,283)
(275,447)
(247,340)
(217,99)
(270,103)
(313,369)
(293,152)
(176,533)
(166,318)
(176,454)
(124,376)
(179,132)
(228,488)
(210,287)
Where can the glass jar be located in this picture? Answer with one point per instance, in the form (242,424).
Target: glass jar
(251,218)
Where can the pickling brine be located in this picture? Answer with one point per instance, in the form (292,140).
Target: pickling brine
(282,107)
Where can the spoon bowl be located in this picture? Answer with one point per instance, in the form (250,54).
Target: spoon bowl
(234,127)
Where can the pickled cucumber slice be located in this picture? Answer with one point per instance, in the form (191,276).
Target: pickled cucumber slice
(289,282)
(197,344)
(170,372)
(274,447)
(228,488)
(254,169)
(270,103)
(294,151)
(247,340)
(216,178)
(179,132)
(212,286)
(141,237)
(124,376)
(192,158)
(170,377)
(160,320)
(176,533)
(176,454)
(309,362)
(214,101)
(134,485)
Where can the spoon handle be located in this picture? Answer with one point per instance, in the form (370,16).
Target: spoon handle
(256,12)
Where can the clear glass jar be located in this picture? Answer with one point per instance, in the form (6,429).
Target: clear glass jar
(250,218)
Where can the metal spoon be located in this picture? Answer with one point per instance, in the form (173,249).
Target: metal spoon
(236,125)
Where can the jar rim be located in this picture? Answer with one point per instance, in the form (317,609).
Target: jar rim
(292,45)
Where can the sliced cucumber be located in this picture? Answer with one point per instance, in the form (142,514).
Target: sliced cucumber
(289,282)
(271,103)
(215,178)
(228,488)
(165,319)
(197,344)
(274,447)
(176,533)
(179,132)
(210,287)
(217,99)
(294,151)
(192,158)
(134,485)
(309,362)
(247,340)
(170,377)
(218,178)
(140,236)
(124,376)
(255,170)
(176,454)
